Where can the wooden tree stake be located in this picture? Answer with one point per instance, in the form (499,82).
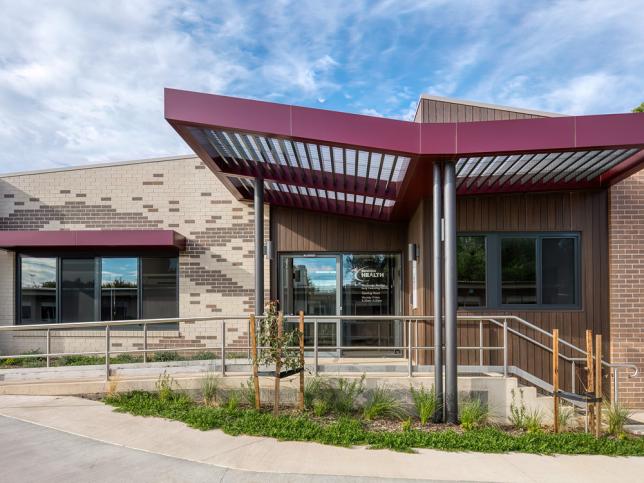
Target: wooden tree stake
(598,384)
(555,377)
(278,365)
(301,395)
(590,377)
(253,348)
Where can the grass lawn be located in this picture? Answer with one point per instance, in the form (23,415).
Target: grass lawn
(353,431)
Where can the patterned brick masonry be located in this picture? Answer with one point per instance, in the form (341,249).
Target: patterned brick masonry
(215,271)
(626,244)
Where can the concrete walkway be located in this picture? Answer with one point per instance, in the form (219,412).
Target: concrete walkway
(264,455)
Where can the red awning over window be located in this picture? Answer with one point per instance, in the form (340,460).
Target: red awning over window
(93,239)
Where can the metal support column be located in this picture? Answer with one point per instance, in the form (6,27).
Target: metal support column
(437,247)
(259,245)
(451,380)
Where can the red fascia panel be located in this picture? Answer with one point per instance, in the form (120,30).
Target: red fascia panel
(402,137)
(94,239)
(610,130)
(517,135)
(208,110)
(340,128)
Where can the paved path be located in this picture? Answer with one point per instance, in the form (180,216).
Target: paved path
(37,453)
(171,442)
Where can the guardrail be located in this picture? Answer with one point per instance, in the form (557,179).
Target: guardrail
(409,350)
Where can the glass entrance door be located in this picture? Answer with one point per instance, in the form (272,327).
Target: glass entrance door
(371,286)
(310,284)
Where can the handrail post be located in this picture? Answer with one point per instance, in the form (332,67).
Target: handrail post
(574,376)
(409,362)
(48,347)
(505,347)
(107,352)
(315,347)
(223,347)
(145,343)
(615,386)
(481,343)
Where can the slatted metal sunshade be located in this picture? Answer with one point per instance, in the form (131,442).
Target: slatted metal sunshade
(504,172)
(381,168)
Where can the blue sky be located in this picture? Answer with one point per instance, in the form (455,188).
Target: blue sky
(82,82)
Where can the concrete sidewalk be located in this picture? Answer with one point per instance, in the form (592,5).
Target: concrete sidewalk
(173,439)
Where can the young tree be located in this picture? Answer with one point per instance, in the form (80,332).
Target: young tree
(279,348)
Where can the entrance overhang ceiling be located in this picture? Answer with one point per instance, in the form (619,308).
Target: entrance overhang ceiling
(380,168)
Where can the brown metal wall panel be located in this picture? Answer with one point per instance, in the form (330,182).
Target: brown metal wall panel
(431,110)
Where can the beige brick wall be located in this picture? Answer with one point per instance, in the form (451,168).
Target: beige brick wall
(626,242)
(215,271)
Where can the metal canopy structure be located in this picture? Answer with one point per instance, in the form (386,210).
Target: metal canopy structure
(380,168)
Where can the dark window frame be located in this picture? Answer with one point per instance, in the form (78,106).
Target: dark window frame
(59,255)
(493,270)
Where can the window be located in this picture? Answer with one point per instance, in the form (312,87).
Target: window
(77,292)
(499,270)
(518,271)
(470,257)
(119,288)
(86,288)
(38,301)
(159,288)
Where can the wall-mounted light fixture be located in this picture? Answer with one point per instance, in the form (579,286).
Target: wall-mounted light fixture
(268,249)
(412,252)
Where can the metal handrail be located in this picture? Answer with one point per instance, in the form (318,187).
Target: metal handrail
(410,347)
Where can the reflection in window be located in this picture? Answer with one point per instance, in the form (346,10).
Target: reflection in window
(77,293)
(518,271)
(369,288)
(159,288)
(38,290)
(470,258)
(119,283)
(558,271)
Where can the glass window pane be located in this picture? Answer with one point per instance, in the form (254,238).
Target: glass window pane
(37,290)
(77,292)
(119,287)
(518,271)
(470,258)
(159,288)
(558,271)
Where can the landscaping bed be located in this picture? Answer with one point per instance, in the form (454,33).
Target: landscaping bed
(377,423)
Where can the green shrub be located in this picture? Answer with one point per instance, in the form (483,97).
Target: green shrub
(209,388)
(616,417)
(247,391)
(346,393)
(406,425)
(126,359)
(473,414)
(164,386)
(204,356)
(533,421)
(382,403)
(425,402)
(233,398)
(79,360)
(518,410)
(318,392)
(566,415)
(167,356)
(320,407)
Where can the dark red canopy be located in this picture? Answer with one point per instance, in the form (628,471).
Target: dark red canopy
(93,239)
(379,168)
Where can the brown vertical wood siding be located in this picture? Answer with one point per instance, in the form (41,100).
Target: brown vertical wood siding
(584,212)
(431,110)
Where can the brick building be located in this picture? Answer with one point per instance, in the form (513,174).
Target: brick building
(532,214)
